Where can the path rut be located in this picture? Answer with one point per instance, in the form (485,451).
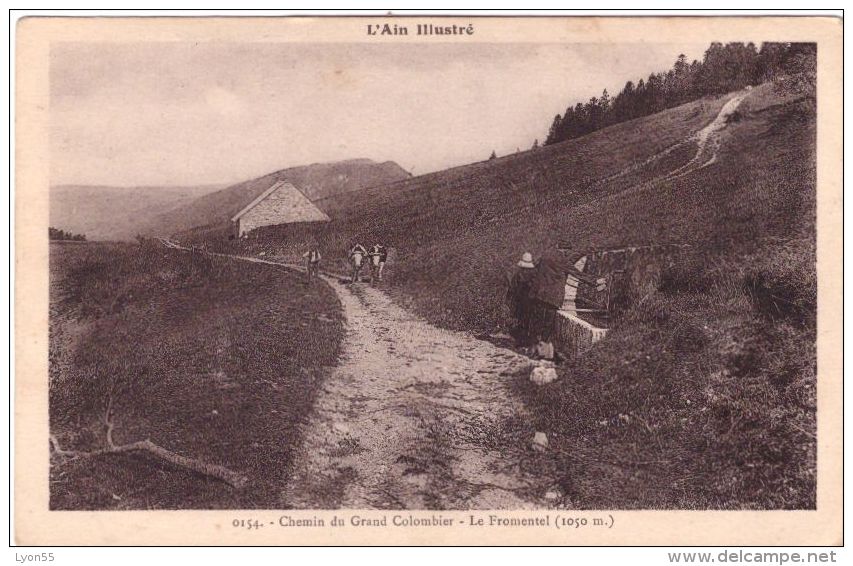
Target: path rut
(707,140)
(415,417)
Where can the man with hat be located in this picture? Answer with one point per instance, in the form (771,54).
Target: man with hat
(547,288)
(518,297)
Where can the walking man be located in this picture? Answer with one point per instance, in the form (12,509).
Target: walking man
(312,262)
(378,257)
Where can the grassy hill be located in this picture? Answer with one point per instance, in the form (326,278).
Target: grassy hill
(456,232)
(115,213)
(703,394)
(209,358)
(318,181)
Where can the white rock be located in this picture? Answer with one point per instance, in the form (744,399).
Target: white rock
(540,441)
(543,374)
(552,495)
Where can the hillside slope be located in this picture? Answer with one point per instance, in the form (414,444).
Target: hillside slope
(457,232)
(472,221)
(212,360)
(318,181)
(703,394)
(115,213)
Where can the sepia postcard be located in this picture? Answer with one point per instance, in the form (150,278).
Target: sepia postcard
(428,280)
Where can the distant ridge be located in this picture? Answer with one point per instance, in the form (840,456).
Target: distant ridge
(104,212)
(317,181)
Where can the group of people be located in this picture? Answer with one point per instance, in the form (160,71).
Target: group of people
(537,291)
(357,255)
(377,255)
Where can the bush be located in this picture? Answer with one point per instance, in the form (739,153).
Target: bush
(784,285)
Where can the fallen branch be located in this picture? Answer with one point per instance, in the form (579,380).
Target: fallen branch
(224,474)
(211,470)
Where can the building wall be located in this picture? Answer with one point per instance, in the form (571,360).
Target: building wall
(284,205)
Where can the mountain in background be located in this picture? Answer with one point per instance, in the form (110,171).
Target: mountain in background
(318,181)
(115,213)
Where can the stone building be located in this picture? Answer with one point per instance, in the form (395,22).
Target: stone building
(282,203)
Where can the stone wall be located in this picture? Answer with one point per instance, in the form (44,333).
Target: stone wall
(633,273)
(284,205)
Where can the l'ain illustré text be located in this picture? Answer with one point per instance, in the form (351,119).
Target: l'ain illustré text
(419,29)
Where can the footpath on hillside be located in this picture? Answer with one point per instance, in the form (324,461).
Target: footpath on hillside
(706,140)
(414,417)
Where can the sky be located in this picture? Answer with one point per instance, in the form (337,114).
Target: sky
(149,114)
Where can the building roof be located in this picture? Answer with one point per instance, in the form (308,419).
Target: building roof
(264,195)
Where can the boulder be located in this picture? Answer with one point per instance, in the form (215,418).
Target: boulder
(542,374)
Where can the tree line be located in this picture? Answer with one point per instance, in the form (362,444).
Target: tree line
(57,234)
(724,68)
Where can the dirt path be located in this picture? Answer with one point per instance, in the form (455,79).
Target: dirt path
(415,417)
(418,417)
(707,142)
